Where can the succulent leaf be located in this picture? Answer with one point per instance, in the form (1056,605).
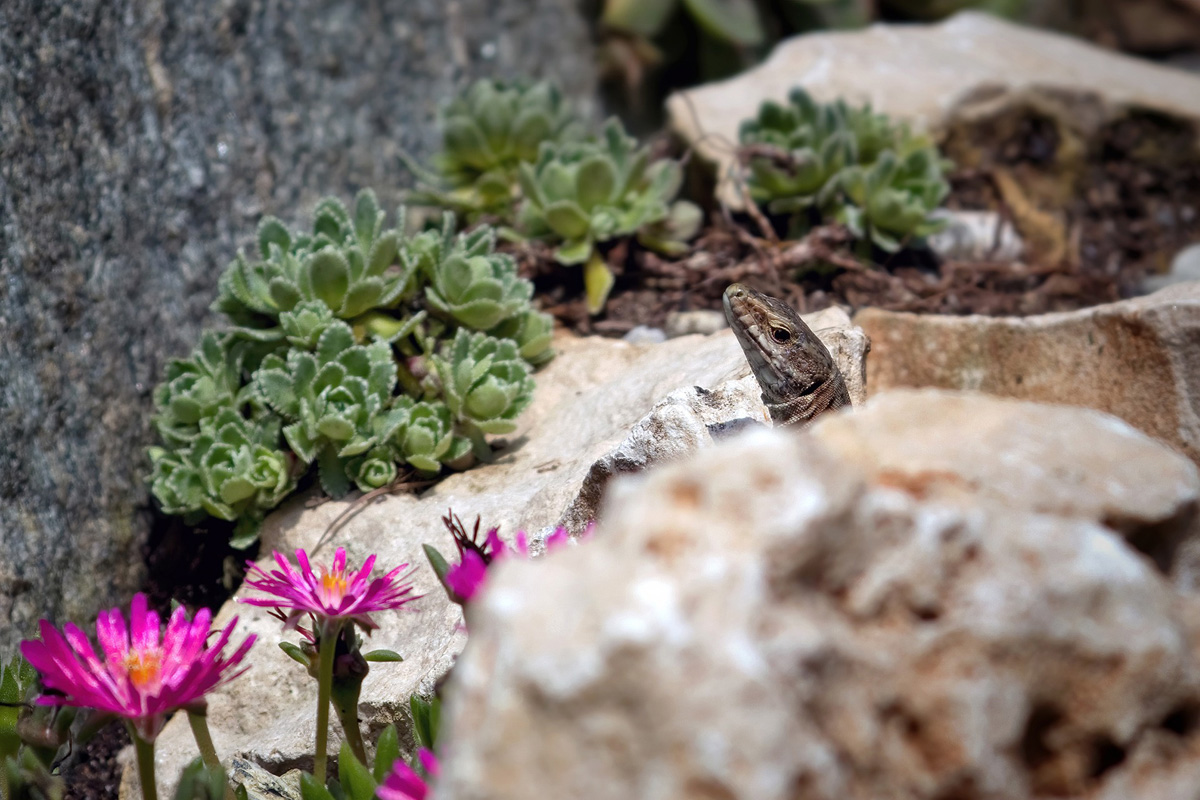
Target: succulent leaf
(487,133)
(581,194)
(485,384)
(847,163)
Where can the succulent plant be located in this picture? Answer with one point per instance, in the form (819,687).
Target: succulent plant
(350,264)
(468,282)
(533,331)
(485,384)
(233,470)
(333,363)
(892,199)
(336,399)
(734,21)
(795,151)
(832,161)
(198,388)
(586,193)
(486,132)
(428,440)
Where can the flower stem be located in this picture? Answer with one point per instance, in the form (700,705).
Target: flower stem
(326,650)
(145,762)
(199,722)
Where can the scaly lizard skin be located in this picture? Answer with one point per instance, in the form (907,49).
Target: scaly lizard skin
(796,373)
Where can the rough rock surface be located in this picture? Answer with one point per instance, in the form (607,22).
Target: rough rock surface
(139,144)
(1137,359)
(1042,459)
(770,621)
(587,401)
(932,74)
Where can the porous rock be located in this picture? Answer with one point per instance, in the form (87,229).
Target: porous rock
(932,76)
(575,434)
(141,143)
(1137,359)
(769,620)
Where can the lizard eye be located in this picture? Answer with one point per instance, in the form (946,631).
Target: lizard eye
(781,335)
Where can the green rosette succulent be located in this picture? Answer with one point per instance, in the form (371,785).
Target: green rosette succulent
(427,440)
(795,151)
(469,283)
(198,388)
(337,400)
(485,384)
(587,193)
(486,133)
(822,161)
(891,200)
(374,469)
(533,331)
(350,263)
(233,470)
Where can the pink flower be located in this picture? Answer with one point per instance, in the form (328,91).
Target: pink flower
(405,783)
(143,677)
(465,579)
(338,594)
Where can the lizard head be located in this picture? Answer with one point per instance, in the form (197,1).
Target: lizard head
(787,358)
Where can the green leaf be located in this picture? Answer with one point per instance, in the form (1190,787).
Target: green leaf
(427,718)
(357,781)
(437,562)
(367,216)
(594,184)
(598,281)
(296,654)
(574,252)
(332,472)
(383,656)
(328,278)
(387,750)
(272,231)
(311,790)
(646,18)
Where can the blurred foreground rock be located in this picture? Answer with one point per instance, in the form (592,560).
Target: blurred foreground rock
(807,616)
(969,69)
(602,408)
(139,144)
(1137,359)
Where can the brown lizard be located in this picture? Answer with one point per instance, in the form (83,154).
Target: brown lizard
(796,373)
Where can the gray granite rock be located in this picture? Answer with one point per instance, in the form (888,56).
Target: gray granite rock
(139,144)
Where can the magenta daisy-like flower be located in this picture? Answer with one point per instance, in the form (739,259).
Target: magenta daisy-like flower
(337,594)
(146,672)
(465,579)
(405,783)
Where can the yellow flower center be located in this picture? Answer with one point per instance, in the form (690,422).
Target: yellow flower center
(333,586)
(143,668)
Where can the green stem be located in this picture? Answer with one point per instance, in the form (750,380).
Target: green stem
(145,763)
(325,650)
(349,720)
(199,722)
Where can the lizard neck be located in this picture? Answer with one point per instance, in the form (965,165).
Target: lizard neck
(799,411)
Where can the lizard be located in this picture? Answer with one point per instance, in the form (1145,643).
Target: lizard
(795,371)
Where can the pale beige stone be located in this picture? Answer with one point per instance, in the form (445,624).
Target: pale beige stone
(767,621)
(1136,359)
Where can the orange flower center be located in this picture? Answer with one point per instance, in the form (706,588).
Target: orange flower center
(333,586)
(143,668)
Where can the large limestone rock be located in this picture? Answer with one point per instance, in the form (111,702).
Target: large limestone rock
(778,618)
(594,401)
(141,143)
(1137,359)
(932,75)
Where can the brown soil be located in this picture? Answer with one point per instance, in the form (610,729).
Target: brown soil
(1095,227)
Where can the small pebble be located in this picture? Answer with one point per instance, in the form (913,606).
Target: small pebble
(644,334)
(705,321)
